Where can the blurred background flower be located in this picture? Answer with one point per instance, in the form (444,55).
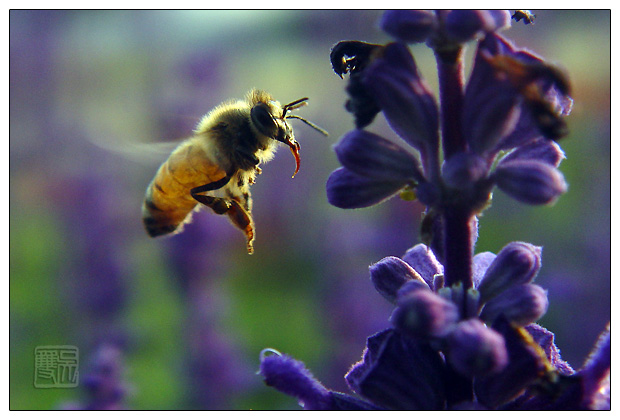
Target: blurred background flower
(87,88)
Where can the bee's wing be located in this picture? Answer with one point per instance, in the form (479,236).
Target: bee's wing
(146,153)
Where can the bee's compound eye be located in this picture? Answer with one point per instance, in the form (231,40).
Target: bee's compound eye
(262,119)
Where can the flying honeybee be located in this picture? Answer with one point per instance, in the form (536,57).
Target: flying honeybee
(217,165)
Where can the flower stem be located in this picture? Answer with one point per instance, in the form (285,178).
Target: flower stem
(451,82)
(458,252)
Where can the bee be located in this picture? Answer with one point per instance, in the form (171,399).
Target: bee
(217,165)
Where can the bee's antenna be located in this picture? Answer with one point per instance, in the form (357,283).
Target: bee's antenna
(316,127)
(294,105)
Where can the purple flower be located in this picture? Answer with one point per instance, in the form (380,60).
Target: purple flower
(103,381)
(375,169)
(457,25)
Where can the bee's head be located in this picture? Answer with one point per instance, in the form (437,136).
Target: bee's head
(270,120)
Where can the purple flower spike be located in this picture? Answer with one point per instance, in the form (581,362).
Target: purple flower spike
(521,304)
(424,314)
(529,181)
(406,100)
(291,377)
(348,190)
(474,349)
(409,26)
(372,156)
(465,25)
(517,263)
(390,274)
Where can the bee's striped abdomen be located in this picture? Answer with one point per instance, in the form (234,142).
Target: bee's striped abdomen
(163,210)
(168,201)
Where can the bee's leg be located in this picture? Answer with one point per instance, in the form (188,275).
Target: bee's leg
(219,205)
(241,218)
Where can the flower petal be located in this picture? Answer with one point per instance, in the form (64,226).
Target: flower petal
(530,181)
(406,100)
(291,377)
(482,261)
(541,149)
(399,373)
(344,402)
(348,190)
(423,261)
(524,368)
(545,339)
(596,373)
(373,156)
(491,106)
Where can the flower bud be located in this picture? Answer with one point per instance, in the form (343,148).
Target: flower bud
(373,156)
(409,26)
(517,263)
(409,288)
(425,314)
(391,274)
(348,190)
(465,25)
(474,349)
(521,304)
(530,181)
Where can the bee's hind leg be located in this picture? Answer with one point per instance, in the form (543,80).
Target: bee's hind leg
(243,220)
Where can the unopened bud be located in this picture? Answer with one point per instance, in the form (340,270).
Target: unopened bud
(517,263)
